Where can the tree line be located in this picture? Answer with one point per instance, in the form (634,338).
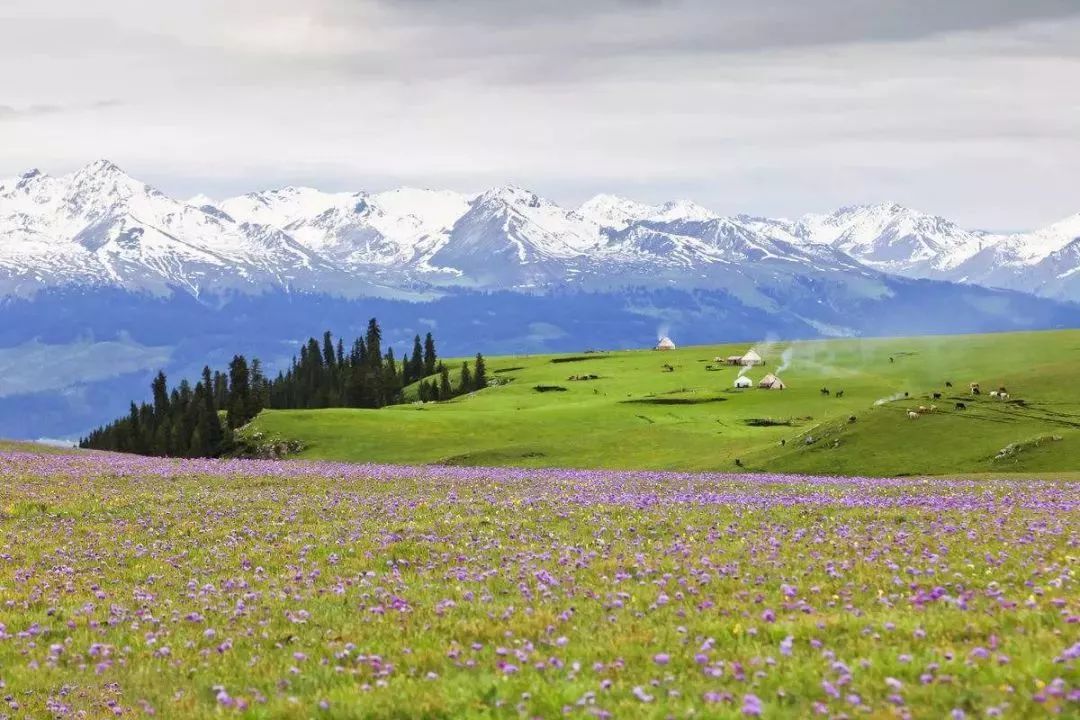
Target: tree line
(200,420)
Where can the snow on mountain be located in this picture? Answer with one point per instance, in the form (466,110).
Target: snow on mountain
(99,226)
(511,235)
(356,229)
(893,238)
(614,212)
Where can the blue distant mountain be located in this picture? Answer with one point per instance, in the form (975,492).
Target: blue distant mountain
(103,280)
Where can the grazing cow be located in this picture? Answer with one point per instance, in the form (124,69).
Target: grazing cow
(851,419)
(824,391)
(933,408)
(923,408)
(937,396)
(975,388)
(994,394)
(1003,396)
(948,383)
(912,415)
(1002,390)
(839,393)
(961,406)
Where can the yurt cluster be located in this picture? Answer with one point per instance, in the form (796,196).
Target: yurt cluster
(749,360)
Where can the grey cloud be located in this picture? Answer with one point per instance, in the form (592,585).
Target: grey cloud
(964,107)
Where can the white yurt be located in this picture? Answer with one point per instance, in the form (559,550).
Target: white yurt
(771,382)
(665,343)
(743,382)
(751,358)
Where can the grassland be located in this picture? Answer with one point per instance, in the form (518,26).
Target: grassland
(638,414)
(139,587)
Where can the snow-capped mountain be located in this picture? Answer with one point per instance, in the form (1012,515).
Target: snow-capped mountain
(1034,262)
(893,238)
(100,227)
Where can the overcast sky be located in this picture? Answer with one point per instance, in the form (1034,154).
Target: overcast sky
(968,108)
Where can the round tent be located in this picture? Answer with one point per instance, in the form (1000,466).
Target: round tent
(771,382)
(743,382)
(665,344)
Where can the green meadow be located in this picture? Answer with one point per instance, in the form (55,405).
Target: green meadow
(678,410)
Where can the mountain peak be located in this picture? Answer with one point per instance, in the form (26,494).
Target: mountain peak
(513,195)
(102,166)
(683,210)
(614,211)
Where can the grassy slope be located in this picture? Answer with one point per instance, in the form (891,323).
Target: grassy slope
(617,422)
(26,446)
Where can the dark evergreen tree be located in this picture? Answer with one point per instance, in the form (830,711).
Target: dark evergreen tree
(209,424)
(429,355)
(446,390)
(160,389)
(480,375)
(416,362)
(221,388)
(328,350)
(240,402)
(466,383)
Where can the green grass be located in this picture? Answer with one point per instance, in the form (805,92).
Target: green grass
(638,415)
(26,446)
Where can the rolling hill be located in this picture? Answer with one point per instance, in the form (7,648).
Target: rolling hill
(637,413)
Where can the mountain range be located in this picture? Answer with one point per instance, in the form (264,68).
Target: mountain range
(99,227)
(104,279)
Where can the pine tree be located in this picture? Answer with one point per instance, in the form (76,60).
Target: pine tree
(209,424)
(160,389)
(373,341)
(416,362)
(221,388)
(239,406)
(260,389)
(429,355)
(446,391)
(466,383)
(328,350)
(480,376)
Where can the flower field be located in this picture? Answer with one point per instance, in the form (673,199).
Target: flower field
(138,587)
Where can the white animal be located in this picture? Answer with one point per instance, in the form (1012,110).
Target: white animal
(912,415)
(1003,396)
(994,394)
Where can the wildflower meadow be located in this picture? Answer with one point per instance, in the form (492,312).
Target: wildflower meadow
(139,587)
